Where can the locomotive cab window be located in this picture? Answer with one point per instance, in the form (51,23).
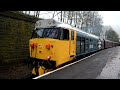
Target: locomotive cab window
(37,33)
(51,32)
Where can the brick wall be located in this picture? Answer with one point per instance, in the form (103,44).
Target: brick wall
(15,32)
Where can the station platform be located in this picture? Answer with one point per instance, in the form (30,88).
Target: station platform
(102,65)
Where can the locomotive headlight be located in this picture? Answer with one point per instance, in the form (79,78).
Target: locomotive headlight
(49,22)
(49,57)
(53,21)
(38,24)
(40,46)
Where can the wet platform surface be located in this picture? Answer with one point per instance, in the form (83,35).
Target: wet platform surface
(103,65)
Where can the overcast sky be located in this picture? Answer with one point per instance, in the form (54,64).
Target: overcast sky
(111,18)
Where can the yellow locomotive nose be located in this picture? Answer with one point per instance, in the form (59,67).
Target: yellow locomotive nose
(42,49)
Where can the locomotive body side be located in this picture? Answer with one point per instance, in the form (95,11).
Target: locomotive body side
(86,44)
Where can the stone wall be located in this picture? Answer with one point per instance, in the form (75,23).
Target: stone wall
(15,32)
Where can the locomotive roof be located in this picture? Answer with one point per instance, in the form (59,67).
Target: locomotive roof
(67,26)
(53,22)
(63,25)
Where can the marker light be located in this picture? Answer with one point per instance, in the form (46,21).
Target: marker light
(48,46)
(35,44)
(32,45)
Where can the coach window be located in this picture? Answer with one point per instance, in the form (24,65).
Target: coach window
(78,45)
(72,35)
(82,45)
(90,40)
(87,44)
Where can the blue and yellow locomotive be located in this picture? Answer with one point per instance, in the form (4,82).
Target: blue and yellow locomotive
(54,43)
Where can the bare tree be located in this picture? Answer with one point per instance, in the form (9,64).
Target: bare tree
(61,16)
(89,21)
(53,14)
(111,34)
(29,12)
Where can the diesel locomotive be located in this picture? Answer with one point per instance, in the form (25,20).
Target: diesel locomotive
(54,43)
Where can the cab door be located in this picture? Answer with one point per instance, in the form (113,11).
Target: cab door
(72,40)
